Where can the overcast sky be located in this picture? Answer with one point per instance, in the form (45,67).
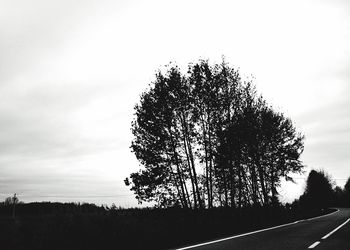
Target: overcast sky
(72,71)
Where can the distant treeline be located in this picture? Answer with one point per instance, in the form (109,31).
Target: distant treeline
(321,192)
(42,208)
(206,139)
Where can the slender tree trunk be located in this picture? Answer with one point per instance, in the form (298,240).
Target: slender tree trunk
(273,183)
(206,162)
(261,172)
(194,174)
(248,189)
(253,184)
(188,196)
(240,186)
(190,154)
(225,187)
(210,165)
(178,168)
(232,189)
(190,172)
(179,174)
(220,199)
(182,199)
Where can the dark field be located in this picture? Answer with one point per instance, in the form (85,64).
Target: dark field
(85,226)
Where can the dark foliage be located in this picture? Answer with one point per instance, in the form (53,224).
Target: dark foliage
(319,190)
(44,208)
(342,195)
(206,139)
(78,227)
(321,193)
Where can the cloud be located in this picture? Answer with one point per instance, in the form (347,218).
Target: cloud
(40,119)
(327,131)
(71,72)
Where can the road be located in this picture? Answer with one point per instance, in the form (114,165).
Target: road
(326,232)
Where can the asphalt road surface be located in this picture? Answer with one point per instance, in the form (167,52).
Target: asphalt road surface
(326,232)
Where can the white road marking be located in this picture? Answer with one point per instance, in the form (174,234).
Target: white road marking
(237,236)
(254,232)
(315,244)
(337,210)
(327,235)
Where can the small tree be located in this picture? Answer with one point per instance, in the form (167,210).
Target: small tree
(12,201)
(346,196)
(9,201)
(319,190)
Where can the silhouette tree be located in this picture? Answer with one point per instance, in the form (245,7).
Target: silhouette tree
(261,146)
(207,139)
(339,196)
(11,202)
(346,195)
(319,190)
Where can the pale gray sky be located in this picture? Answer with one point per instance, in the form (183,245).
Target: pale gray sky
(71,72)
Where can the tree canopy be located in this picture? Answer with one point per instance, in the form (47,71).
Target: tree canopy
(206,138)
(319,191)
